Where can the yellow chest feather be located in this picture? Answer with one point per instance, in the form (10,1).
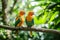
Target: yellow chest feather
(29,18)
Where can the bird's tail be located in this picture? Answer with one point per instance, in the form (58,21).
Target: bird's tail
(30,33)
(16,32)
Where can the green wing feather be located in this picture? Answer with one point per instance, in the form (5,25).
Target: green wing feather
(30,23)
(17,22)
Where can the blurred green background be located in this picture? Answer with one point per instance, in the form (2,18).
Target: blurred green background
(46,15)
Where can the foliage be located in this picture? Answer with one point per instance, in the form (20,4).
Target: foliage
(46,12)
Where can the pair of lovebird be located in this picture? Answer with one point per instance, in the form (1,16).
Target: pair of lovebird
(29,20)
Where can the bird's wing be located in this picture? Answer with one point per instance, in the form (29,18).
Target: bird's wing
(29,23)
(17,21)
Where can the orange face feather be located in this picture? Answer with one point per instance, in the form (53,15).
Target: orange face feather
(31,13)
(21,13)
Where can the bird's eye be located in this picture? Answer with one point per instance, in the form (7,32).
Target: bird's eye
(24,13)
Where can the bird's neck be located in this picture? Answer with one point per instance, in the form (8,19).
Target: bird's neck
(29,18)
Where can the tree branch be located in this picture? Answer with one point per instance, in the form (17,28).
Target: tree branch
(30,29)
(4,6)
(15,1)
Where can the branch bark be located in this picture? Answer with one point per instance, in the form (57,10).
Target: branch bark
(4,6)
(30,29)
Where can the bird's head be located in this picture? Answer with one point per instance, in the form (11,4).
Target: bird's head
(21,13)
(30,13)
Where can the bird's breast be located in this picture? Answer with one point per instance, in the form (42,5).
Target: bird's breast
(29,18)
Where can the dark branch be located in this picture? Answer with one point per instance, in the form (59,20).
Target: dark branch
(15,1)
(30,29)
(51,6)
(4,6)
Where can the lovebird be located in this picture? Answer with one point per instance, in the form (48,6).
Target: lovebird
(19,21)
(30,20)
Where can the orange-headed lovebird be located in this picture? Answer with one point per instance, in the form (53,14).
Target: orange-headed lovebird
(30,20)
(19,20)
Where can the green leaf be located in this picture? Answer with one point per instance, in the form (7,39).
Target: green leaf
(36,21)
(52,17)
